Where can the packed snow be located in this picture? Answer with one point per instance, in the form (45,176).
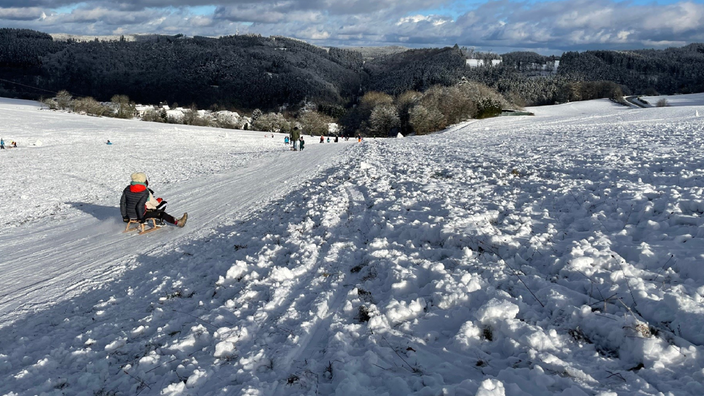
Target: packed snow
(554,254)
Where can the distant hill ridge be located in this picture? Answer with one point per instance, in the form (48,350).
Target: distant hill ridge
(270,73)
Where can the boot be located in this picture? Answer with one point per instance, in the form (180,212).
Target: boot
(182,221)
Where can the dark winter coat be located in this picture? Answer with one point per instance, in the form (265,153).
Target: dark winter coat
(295,134)
(133,201)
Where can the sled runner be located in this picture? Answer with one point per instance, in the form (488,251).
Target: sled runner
(142,226)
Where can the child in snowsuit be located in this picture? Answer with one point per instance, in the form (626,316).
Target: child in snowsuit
(303,142)
(138,202)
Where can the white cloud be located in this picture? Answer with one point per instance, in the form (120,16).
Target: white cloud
(589,19)
(677,17)
(200,21)
(314,34)
(413,19)
(417,19)
(250,14)
(23,13)
(555,25)
(622,36)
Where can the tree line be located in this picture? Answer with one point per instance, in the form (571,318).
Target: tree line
(407,91)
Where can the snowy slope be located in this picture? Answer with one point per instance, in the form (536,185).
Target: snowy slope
(63,171)
(556,254)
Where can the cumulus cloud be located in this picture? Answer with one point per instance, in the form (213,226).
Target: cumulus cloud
(250,14)
(677,17)
(552,26)
(35,3)
(21,14)
(576,24)
(313,34)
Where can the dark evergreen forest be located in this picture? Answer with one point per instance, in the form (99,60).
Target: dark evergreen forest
(232,72)
(248,72)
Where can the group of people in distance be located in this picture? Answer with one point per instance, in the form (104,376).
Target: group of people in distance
(296,139)
(322,139)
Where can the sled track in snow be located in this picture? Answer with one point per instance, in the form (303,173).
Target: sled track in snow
(78,254)
(289,338)
(334,289)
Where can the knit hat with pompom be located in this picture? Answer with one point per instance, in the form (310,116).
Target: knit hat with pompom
(139,177)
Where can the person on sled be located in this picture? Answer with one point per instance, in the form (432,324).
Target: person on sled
(138,202)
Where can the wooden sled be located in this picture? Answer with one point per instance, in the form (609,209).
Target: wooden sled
(142,226)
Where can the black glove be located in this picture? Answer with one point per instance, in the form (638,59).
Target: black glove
(126,219)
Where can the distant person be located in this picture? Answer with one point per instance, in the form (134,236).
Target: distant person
(2,144)
(14,144)
(336,138)
(286,140)
(109,143)
(328,139)
(295,135)
(138,203)
(302,143)
(322,139)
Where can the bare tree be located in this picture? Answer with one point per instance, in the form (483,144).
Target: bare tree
(383,118)
(315,123)
(63,100)
(424,120)
(123,107)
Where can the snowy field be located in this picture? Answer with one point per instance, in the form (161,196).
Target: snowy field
(559,254)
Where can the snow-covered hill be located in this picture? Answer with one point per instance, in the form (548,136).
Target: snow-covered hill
(556,254)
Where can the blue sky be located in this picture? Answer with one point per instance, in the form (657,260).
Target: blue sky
(547,27)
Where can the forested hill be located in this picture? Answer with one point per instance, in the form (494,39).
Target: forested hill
(417,70)
(669,71)
(234,71)
(248,72)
